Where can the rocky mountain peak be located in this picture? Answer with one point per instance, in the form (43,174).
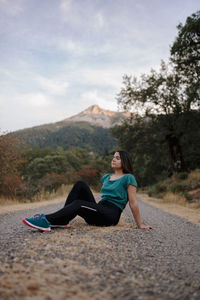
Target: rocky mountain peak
(96,110)
(100,117)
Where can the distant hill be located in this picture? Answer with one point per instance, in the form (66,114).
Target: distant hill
(88,130)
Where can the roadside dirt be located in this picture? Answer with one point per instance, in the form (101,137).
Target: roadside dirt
(5,209)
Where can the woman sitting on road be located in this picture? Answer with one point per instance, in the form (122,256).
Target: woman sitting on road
(118,188)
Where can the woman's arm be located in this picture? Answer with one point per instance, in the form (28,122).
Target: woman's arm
(134,207)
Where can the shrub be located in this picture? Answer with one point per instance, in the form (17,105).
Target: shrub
(10,185)
(27,191)
(187,196)
(51,182)
(89,175)
(182,175)
(176,187)
(157,190)
(151,191)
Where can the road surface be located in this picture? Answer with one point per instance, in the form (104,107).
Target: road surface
(88,262)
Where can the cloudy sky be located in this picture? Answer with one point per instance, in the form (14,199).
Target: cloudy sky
(57,57)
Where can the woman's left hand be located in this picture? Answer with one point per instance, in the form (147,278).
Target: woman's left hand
(145,227)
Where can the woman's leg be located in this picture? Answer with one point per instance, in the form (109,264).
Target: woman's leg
(92,213)
(81,191)
(100,214)
(70,211)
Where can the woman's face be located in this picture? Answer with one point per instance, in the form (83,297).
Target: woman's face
(116,162)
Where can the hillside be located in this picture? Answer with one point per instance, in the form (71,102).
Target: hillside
(88,130)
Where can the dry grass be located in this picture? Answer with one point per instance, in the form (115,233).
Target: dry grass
(43,196)
(8,201)
(174,198)
(181,189)
(195,175)
(194,178)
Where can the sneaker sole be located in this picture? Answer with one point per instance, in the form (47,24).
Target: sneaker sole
(34,226)
(60,226)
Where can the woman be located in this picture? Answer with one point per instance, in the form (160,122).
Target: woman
(118,188)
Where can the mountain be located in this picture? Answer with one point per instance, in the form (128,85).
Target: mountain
(101,117)
(89,129)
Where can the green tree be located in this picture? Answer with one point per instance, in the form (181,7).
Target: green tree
(77,157)
(170,96)
(145,143)
(160,96)
(39,167)
(185,55)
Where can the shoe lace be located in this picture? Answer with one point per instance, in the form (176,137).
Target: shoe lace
(37,216)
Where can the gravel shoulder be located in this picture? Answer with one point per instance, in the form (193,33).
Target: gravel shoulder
(89,262)
(187,212)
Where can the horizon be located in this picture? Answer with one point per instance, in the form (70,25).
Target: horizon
(43,124)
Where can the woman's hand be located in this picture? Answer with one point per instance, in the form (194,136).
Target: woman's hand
(145,227)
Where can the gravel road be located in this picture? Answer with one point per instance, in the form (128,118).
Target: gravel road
(88,262)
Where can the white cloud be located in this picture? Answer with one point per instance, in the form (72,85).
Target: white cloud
(66,45)
(99,21)
(65,5)
(103,77)
(11,7)
(91,96)
(28,110)
(53,86)
(37,100)
(104,100)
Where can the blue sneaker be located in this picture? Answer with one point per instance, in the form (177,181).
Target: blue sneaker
(38,222)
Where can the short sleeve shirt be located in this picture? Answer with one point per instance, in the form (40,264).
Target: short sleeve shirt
(115,191)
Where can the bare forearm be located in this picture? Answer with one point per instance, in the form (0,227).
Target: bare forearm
(136,214)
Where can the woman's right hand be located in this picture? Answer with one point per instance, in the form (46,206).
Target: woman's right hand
(145,227)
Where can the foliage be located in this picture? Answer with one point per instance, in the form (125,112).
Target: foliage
(34,171)
(167,138)
(77,157)
(157,92)
(185,53)
(51,182)
(147,147)
(88,175)
(10,161)
(49,164)
(175,89)
(10,185)
(157,190)
(182,175)
(176,187)
(66,135)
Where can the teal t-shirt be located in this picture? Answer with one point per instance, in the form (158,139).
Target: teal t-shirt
(115,191)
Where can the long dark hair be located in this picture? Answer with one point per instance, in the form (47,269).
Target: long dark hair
(127,165)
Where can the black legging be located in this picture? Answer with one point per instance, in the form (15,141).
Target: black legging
(81,202)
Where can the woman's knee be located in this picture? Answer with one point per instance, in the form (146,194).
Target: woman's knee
(80,183)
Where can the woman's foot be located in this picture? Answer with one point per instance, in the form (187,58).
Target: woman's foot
(38,222)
